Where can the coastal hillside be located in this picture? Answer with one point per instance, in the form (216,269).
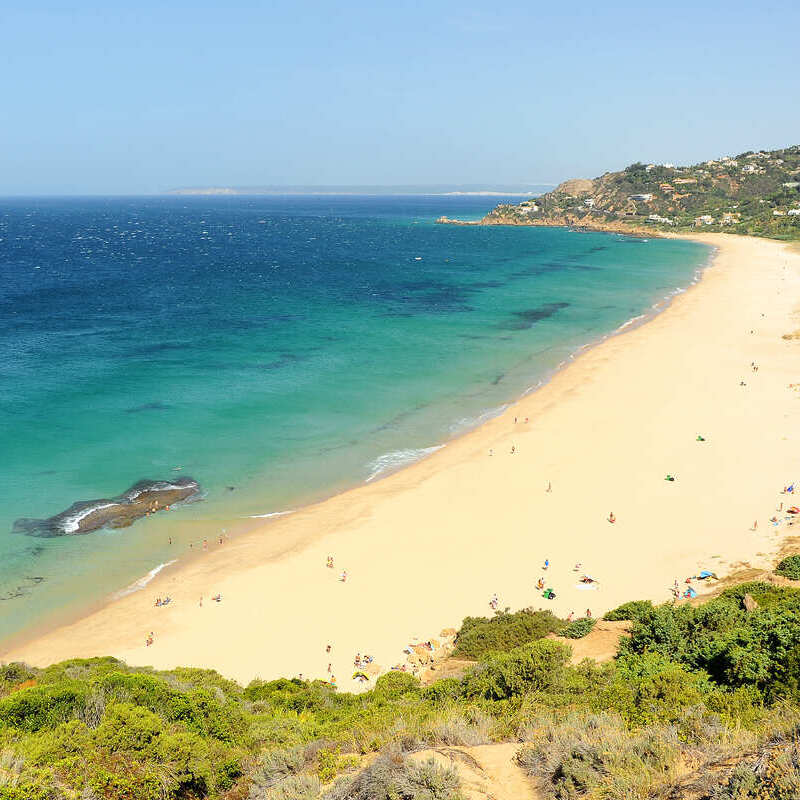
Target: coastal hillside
(700,702)
(754,193)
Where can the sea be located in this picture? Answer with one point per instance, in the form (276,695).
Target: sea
(277,349)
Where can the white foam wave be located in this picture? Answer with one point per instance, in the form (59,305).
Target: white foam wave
(72,523)
(140,583)
(160,486)
(389,462)
(631,321)
(467,423)
(270,514)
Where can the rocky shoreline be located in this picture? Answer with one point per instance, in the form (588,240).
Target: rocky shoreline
(578,224)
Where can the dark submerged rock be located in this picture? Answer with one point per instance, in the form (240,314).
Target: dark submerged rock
(146,496)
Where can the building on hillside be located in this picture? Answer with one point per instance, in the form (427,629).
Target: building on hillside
(793,212)
(589,201)
(682,181)
(778,213)
(652,218)
(641,198)
(791,184)
(729,218)
(666,187)
(705,219)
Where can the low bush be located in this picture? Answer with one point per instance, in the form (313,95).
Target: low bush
(629,611)
(294,787)
(529,668)
(579,628)
(503,632)
(789,568)
(393,776)
(573,758)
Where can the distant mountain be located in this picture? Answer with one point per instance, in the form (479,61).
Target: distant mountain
(528,189)
(755,193)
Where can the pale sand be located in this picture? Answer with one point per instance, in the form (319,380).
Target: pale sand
(430,544)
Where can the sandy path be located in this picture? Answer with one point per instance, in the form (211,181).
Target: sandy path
(429,545)
(486,772)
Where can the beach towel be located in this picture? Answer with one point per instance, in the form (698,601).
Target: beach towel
(706,574)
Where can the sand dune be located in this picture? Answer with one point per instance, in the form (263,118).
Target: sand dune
(432,543)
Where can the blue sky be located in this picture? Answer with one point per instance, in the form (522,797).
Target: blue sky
(147,96)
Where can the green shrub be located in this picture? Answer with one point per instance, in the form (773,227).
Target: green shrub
(789,568)
(443,690)
(128,728)
(394,777)
(40,707)
(575,757)
(481,635)
(295,787)
(395,684)
(579,628)
(525,669)
(630,611)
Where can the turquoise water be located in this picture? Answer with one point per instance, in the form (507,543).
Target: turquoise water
(276,349)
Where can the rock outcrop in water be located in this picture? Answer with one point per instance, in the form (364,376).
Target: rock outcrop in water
(142,498)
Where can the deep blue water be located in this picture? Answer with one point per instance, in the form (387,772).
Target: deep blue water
(276,349)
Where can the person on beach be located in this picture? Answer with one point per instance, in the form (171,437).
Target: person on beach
(755,526)
(329,562)
(328,649)
(611,517)
(588,613)
(570,616)
(343,576)
(549,487)
(205,544)
(540,584)
(329,669)
(201,601)
(513,449)
(546,564)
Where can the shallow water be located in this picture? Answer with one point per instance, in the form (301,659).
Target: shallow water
(276,349)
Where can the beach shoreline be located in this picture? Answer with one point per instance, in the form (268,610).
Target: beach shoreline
(257,573)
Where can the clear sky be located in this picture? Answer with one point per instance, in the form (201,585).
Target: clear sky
(141,97)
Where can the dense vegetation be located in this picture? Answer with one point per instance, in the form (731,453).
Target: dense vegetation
(756,193)
(701,702)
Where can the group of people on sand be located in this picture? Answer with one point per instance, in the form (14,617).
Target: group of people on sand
(549,593)
(342,574)
(163,602)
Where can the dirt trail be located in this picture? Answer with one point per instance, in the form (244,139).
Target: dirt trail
(487,772)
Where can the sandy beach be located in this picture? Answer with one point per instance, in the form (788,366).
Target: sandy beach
(432,543)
